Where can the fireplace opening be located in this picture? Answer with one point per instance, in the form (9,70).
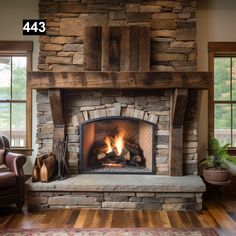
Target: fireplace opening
(117,145)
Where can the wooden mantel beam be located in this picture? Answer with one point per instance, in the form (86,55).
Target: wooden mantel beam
(118,80)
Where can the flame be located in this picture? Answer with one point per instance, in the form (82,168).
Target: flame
(116,143)
(119,142)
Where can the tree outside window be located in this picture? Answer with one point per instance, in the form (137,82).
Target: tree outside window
(13,99)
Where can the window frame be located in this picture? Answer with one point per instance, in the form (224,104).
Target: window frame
(22,48)
(217,49)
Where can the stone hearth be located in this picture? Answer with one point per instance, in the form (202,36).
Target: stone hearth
(118,192)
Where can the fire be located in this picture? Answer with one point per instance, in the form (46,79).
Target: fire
(108,143)
(115,144)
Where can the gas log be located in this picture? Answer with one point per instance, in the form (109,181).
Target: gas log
(130,155)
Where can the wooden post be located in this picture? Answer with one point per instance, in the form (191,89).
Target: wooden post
(179,104)
(57,116)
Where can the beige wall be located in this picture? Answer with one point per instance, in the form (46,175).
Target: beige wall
(12,12)
(216,21)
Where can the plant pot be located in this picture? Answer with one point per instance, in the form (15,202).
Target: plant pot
(217,176)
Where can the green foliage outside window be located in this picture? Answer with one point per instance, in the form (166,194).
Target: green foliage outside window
(13,99)
(224,97)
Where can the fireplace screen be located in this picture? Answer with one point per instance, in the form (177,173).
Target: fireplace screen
(117,145)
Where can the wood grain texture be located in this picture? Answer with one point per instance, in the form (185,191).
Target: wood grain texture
(222,47)
(176,152)
(179,107)
(144,49)
(215,216)
(125,49)
(93,48)
(57,116)
(117,48)
(134,46)
(55,100)
(118,80)
(114,48)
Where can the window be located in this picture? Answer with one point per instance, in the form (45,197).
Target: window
(15,100)
(222,95)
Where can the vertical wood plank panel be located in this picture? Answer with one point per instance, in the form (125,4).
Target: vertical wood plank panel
(114,48)
(134,45)
(144,49)
(105,48)
(93,48)
(125,49)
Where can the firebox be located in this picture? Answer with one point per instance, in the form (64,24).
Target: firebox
(117,145)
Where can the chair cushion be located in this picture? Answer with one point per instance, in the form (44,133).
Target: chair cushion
(2,153)
(7,179)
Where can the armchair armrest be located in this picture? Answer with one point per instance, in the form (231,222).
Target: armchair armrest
(15,162)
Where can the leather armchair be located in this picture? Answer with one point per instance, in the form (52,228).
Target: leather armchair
(12,177)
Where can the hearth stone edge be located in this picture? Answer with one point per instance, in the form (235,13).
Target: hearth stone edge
(110,192)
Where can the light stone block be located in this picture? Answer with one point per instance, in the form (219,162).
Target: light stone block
(119,205)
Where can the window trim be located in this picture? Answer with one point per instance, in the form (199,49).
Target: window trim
(22,48)
(217,49)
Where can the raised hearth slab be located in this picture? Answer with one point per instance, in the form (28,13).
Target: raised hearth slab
(122,183)
(118,192)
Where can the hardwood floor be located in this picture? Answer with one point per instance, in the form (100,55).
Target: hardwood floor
(219,214)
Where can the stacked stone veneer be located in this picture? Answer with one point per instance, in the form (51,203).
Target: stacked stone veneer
(173,48)
(81,105)
(172,23)
(115,200)
(109,191)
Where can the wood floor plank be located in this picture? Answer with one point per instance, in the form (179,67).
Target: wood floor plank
(229,205)
(185,220)
(165,219)
(88,221)
(145,219)
(99,220)
(73,216)
(156,219)
(195,222)
(206,219)
(129,219)
(62,218)
(175,219)
(81,218)
(108,221)
(221,216)
(137,220)
(141,217)
(117,219)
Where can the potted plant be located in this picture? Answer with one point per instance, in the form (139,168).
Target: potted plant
(215,168)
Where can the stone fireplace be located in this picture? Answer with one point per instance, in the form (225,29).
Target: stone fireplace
(112,69)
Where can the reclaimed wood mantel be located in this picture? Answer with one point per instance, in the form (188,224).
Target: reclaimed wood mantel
(118,80)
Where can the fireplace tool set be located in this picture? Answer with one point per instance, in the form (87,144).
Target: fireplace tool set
(46,166)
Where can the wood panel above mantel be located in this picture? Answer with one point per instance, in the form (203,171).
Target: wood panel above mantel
(118,80)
